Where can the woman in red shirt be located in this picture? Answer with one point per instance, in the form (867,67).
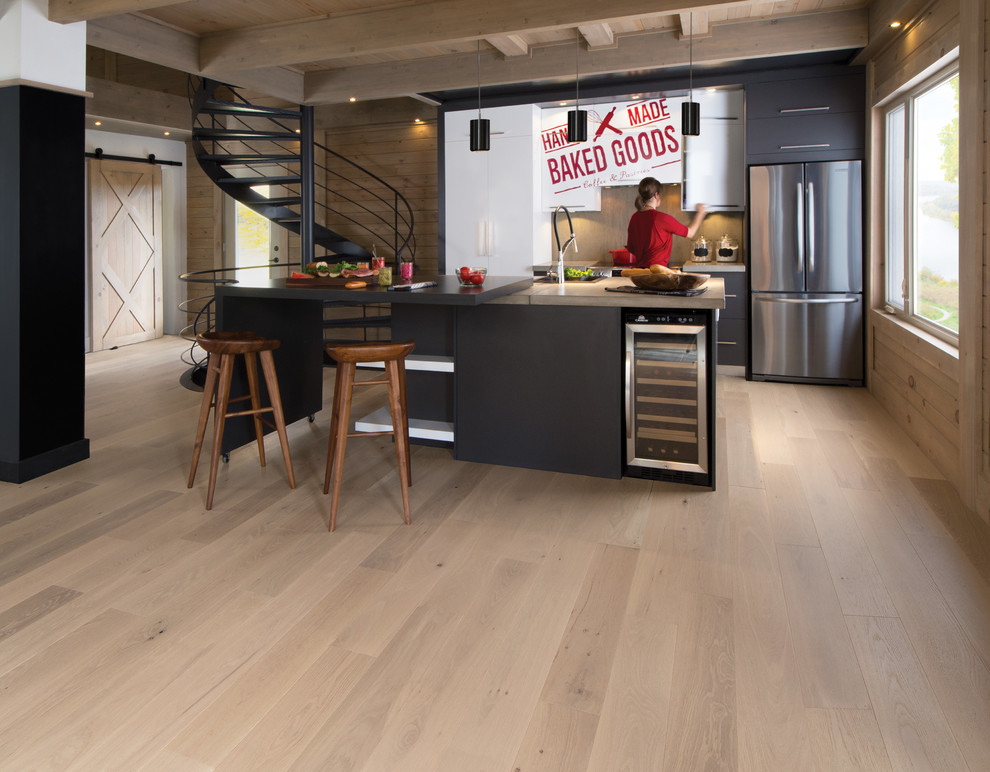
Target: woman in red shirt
(651,232)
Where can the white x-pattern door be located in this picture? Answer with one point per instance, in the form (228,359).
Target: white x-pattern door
(126,303)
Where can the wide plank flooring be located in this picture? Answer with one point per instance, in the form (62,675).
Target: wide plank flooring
(826,608)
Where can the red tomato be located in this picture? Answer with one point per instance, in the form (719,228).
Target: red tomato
(465,272)
(477,278)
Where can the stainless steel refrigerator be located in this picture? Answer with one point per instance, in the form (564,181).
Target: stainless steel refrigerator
(806,272)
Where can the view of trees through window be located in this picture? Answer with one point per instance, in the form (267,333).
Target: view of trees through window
(936,215)
(252,240)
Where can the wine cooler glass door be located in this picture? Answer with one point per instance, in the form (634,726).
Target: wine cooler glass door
(666,410)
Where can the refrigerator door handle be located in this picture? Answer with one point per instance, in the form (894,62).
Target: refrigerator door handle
(809,301)
(800,228)
(811,227)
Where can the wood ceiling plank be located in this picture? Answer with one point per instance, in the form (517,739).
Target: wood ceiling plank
(745,40)
(405,26)
(65,11)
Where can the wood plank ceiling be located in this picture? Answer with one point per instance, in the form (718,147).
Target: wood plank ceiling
(326,51)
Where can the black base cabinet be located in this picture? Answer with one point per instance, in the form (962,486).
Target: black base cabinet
(540,387)
(733,330)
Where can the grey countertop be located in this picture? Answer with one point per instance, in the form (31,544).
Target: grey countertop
(594,294)
(496,289)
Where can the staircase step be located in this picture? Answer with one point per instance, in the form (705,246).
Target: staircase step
(285,201)
(218,107)
(252,181)
(242,134)
(247,158)
(297,218)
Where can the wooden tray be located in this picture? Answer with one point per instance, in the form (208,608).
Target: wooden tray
(684,293)
(327,281)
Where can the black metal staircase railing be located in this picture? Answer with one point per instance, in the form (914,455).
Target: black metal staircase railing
(242,146)
(264,157)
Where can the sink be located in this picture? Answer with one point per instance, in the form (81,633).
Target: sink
(553,280)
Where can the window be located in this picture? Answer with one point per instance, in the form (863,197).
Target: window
(251,239)
(921,223)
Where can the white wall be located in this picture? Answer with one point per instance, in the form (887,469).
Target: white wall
(37,50)
(173,209)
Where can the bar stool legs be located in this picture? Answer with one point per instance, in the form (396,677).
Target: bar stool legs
(223,347)
(347,356)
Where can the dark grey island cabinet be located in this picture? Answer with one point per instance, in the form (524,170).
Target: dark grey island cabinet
(540,387)
(511,374)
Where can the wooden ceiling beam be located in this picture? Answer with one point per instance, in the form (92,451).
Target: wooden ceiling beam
(65,11)
(882,14)
(728,42)
(695,23)
(597,35)
(133,104)
(408,26)
(151,42)
(509,45)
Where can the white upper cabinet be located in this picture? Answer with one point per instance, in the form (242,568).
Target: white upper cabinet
(492,209)
(715,160)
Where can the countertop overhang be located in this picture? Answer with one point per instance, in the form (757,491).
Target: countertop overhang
(516,290)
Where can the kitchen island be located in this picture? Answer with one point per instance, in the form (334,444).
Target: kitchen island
(511,373)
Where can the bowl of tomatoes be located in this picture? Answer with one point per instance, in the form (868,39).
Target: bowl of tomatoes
(471,277)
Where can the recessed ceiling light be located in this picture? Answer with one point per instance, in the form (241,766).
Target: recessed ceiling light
(353,99)
(168,133)
(97,123)
(895,24)
(417,120)
(298,131)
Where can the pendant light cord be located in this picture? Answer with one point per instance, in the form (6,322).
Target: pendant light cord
(479,79)
(691,58)
(577,71)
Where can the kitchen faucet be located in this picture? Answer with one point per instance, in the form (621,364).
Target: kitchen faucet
(561,251)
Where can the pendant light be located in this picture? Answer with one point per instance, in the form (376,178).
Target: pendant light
(480,132)
(691,110)
(577,119)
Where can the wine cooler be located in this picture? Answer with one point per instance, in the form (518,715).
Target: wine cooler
(669,421)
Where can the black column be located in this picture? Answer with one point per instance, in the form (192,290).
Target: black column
(42,282)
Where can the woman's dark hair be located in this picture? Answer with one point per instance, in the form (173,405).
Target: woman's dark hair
(648,188)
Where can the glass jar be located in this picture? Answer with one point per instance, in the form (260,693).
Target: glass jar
(385,275)
(406,270)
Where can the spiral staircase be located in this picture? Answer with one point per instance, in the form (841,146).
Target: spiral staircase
(267,159)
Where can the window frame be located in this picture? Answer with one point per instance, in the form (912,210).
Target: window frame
(906,99)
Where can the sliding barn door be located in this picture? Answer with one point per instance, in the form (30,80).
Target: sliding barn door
(126,252)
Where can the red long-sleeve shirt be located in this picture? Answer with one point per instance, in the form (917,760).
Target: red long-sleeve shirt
(651,236)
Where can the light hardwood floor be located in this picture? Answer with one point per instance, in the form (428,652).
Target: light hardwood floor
(827,608)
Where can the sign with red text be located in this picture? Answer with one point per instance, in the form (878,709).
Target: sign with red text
(627,141)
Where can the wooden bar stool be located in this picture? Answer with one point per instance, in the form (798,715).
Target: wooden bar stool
(223,348)
(347,356)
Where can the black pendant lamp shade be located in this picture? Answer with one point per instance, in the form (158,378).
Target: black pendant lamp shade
(690,119)
(691,110)
(480,134)
(577,125)
(577,119)
(480,127)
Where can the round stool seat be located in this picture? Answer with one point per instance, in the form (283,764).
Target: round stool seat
(235,342)
(223,348)
(348,356)
(370,352)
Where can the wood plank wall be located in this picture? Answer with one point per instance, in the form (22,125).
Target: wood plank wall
(204,222)
(384,138)
(915,378)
